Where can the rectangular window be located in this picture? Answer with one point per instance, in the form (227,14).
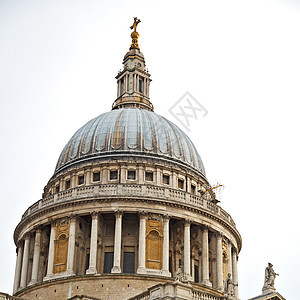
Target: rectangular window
(108,262)
(80,179)
(128,262)
(193,189)
(140,85)
(57,189)
(166,179)
(149,176)
(180,183)
(196,273)
(113,175)
(96,176)
(68,184)
(87,265)
(131,175)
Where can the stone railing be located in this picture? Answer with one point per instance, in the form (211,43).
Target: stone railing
(129,190)
(175,291)
(142,296)
(197,295)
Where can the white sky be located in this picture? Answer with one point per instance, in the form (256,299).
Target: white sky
(239,59)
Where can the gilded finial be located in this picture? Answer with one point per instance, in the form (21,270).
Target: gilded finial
(135,35)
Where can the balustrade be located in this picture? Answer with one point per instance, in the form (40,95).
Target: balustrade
(129,190)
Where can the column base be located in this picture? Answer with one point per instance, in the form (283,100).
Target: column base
(48,277)
(69,273)
(207,283)
(141,270)
(91,271)
(165,273)
(32,282)
(116,269)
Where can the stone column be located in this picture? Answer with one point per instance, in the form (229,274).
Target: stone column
(51,252)
(187,251)
(25,261)
(205,258)
(117,245)
(87,175)
(73,181)
(36,256)
(71,246)
(166,242)
(229,258)
(142,245)
(174,183)
(235,272)
(158,177)
(18,267)
(141,175)
(219,262)
(93,245)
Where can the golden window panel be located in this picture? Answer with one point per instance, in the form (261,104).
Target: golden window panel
(154,244)
(61,248)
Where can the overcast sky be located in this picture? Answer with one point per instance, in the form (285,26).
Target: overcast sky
(239,59)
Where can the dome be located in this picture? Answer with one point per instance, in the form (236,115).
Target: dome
(130,131)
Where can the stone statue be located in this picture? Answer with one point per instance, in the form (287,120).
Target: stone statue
(269,277)
(179,275)
(229,286)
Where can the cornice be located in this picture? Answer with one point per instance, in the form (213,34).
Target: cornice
(91,199)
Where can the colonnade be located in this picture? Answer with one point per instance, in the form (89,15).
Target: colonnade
(21,270)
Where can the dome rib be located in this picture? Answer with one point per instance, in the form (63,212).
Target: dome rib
(130,130)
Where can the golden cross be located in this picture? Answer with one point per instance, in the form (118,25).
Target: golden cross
(135,23)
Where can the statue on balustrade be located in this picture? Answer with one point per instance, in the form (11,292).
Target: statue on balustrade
(269,277)
(179,275)
(229,287)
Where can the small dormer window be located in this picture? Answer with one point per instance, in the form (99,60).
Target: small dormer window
(166,179)
(180,183)
(113,175)
(68,184)
(80,179)
(149,176)
(193,189)
(141,85)
(96,176)
(131,175)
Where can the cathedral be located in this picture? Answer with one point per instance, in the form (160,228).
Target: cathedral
(129,212)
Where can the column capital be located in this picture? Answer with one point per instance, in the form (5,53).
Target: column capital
(187,221)
(53,222)
(119,213)
(94,214)
(38,228)
(20,243)
(26,236)
(166,217)
(143,214)
(72,218)
(205,227)
(219,235)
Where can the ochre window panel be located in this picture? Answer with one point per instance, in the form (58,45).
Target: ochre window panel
(61,248)
(154,243)
(60,254)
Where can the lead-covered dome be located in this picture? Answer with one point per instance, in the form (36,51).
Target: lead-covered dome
(130,131)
